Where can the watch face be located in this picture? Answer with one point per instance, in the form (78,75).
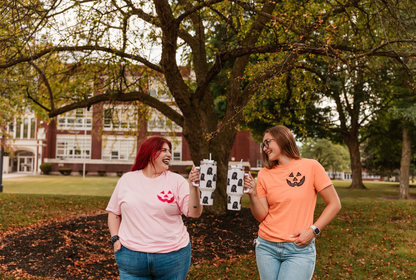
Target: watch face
(317,231)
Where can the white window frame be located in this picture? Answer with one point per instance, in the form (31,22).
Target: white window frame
(176,148)
(22,127)
(158,90)
(119,148)
(73,147)
(159,123)
(75,119)
(127,116)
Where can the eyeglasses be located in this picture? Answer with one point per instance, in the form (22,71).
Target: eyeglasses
(166,150)
(265,144)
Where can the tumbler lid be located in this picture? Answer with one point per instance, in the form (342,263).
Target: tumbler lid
(238,166)
(208,161)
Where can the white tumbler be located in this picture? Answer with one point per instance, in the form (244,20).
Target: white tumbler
(235,186)
(207,181)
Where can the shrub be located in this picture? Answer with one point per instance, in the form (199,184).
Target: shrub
(101,172)
(254,173)
(119,173)
(46,168)
(81,171)
(188,169)
(65,171)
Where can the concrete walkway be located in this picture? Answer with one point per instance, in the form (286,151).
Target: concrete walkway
(13,175)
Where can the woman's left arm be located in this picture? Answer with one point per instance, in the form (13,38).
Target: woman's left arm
(333,206)
(194,205)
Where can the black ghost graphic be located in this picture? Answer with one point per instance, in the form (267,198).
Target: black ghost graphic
(202,177)
(209,171)
(229,199)
(234,188)
(209,184)
(234,176)
(294,182)
(214,178)
(235,205)
(228,181)
(240,182)
(212,195)
(205,200)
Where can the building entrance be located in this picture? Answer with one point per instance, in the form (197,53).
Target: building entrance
(25,161)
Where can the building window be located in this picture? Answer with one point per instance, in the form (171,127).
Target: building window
(120,118)
(159,123)
(119,149)
(18,129)
(25,128)
(176,148)
(73,148)
(259,164)
(158,90)
(32,128)
(79,118)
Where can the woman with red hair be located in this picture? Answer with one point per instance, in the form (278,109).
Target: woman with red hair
(149,238)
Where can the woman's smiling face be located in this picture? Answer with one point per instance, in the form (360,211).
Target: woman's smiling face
(162,161)
(270,147)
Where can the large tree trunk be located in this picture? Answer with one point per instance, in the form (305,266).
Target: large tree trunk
(405,165)
(219,146)
(357,180)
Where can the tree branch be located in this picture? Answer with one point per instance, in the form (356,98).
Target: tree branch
(81,48)
(120,97)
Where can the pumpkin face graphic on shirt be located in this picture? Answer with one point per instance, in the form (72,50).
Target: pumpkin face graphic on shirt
(295,181)
(166,197)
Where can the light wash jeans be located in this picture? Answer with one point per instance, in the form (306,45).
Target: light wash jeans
(285,260)
(162,266)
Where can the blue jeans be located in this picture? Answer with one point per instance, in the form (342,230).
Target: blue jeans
(285,260)
(164,266)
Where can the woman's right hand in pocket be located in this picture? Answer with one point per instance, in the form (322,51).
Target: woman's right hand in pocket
(117,246)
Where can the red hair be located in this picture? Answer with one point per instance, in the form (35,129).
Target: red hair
(149,151)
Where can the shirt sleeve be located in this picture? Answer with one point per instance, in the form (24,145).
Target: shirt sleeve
(321,180)
(261,186)
(114,203)
(183,195)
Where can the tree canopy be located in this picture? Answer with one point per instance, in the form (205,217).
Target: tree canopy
(61,51)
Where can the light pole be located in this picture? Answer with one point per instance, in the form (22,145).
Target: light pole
(1,163)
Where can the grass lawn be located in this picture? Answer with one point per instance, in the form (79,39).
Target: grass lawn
(63,185)
(373,237)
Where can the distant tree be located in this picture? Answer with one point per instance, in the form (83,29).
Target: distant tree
(407,114)
(332,156)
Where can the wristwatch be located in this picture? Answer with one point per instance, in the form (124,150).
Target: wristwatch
(316,230)
(113,239)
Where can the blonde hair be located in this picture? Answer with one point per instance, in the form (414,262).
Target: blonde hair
(287,143)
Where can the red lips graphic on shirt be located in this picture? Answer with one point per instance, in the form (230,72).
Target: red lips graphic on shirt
(166,197)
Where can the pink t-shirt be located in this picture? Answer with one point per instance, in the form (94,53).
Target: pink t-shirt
(151,210)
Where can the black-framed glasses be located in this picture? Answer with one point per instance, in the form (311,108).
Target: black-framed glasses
(265,143)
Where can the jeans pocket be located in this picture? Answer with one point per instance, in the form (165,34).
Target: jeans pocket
(121,248)
(300,247)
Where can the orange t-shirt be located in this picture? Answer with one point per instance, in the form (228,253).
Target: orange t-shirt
(291,192)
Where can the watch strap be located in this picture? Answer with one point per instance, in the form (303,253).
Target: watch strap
(316,230)
(114,239)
